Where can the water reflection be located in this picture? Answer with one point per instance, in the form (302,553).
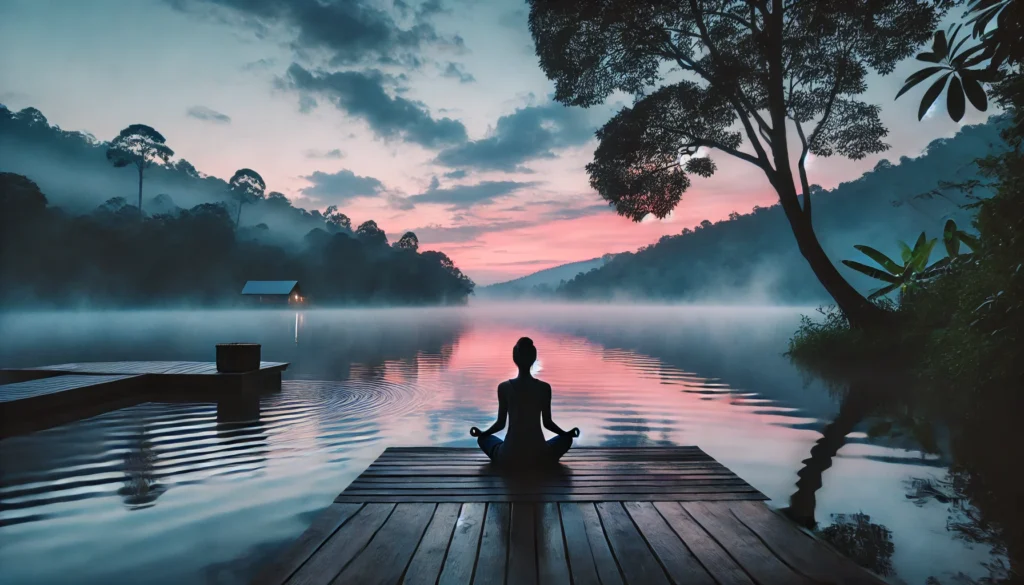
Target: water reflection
(214,489)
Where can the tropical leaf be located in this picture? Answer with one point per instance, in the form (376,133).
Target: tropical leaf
(906,253)
(931,95)
(872,272)
(951,238)
(884,291)
(922,253)
(969,240)
(883,260)
(975,93)
(955,102)
(918,77)
(939,45)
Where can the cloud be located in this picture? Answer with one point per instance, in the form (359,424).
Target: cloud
(529,133)
(464,196)
(464,233)
(350,31)
(362,95)
(456,71)
(456,174)
(334,153)
(340,186)
(208,115)
(259,65)
(576,212)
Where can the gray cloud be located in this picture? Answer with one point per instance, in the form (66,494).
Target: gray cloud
(340,186)
(334,153)
(464,233)
(464,196)
(352,31)
(208,115)
(529,133)
(456,71)
(362,94)
(456,174)
(577,212)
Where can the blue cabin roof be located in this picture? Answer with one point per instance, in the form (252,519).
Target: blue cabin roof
(269,287)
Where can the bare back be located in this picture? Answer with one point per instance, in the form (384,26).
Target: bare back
(526,401)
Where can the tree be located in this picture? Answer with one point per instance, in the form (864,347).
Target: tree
(247,186)
(408,241)
(371,234)
(336,220)
(764,66)
(138,145)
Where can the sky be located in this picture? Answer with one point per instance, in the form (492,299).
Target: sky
(429,116)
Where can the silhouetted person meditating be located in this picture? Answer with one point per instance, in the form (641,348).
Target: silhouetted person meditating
(525,401)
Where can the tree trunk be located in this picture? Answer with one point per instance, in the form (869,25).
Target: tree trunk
(861,313)
(238,217)
(140,191)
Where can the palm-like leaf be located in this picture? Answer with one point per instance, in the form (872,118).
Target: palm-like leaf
(883,260)
(906,253)
(951,238)
(969,240)
(872,272)
(884,291)
(922,253)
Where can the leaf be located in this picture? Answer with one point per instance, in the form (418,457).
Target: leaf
(905,252)
(975,93)
(917,78)
(969,240)
(931,95)
(922,254)
(883,260)
(951,239)
(921,239)
(928,57)
(955,103)
(883,291)
(939,46)
(872,272)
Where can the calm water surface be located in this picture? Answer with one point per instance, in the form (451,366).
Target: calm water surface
(208,493)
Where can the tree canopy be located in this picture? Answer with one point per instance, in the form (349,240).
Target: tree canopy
(247,186)
(138,145)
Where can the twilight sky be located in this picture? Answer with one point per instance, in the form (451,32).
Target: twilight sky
(425,116)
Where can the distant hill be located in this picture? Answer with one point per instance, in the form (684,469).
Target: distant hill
(543,282)
(753,258)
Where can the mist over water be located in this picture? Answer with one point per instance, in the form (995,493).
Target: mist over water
(208,493)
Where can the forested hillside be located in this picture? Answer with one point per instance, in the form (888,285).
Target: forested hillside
(754,258)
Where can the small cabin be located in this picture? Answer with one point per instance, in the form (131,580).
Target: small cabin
(278,292)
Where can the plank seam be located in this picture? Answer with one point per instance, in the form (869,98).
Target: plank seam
(686,546)
(321,545)
(448,545)
(770,548)
(565,542)
(479,542)
(364,547)
(611,549)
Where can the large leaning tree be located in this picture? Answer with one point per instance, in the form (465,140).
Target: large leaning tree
(247,186)
(766,81)
(141,146)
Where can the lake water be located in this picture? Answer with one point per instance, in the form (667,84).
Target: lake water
(207,493)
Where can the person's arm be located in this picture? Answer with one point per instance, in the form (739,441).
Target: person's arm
(498,424)
(550,424)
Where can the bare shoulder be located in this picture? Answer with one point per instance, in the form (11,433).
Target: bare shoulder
(504,387)
(544,386)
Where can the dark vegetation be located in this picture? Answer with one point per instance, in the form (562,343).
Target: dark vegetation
(120,255)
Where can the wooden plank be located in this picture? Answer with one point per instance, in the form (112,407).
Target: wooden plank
(426,562)
(552,566)
(553,490)
(384,559)
(798,549)
(458,566)
(636,560)
(323,526)
(486,471)
(342,546)
(742,544)
(398,481)
(604,560)
(581,560)
(10,394)
(603,497)
(711,555)
(522,554)
(625,482)
(677,560)
(493,557)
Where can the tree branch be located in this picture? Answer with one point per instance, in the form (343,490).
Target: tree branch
(697,141)
(801,166)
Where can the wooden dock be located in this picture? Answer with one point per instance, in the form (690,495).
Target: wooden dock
(443,516)
(36,398)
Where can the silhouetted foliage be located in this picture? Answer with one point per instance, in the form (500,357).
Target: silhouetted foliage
(760,69)
(336,220)
(371,234)
(867,544)
(138,145)
(247,186)
(408,241)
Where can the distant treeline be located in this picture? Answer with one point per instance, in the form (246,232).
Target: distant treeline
(110,254)
(753,257)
